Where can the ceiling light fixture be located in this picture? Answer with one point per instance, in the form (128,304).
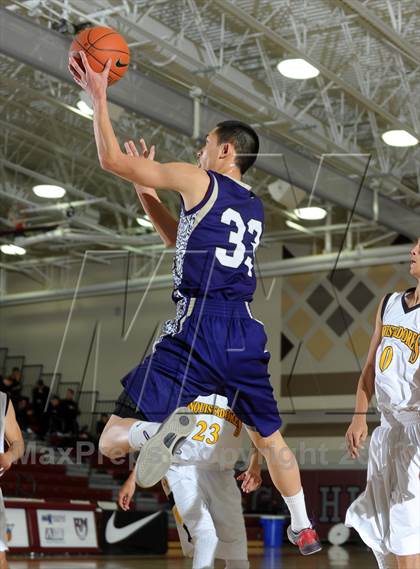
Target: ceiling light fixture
(144,222)
(84,108)
(297,69)
(399,138)
(48,191)
(298,227)
(310,213)
(12,250)
(84,104)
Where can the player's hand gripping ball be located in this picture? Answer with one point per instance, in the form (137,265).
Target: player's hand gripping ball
(99,46)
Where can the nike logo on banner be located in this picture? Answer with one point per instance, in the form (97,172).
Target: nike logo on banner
(113,534)
(119,64)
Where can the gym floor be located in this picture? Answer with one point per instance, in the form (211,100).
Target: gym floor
(350,556)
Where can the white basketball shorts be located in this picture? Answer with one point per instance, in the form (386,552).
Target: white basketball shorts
(387,514)
(209,503)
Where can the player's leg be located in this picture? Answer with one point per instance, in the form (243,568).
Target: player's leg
(282,466)
(251,397)
(4,534)
(123,435)
(126,429)
(3,560)
(369,513)
(224,501)
(194,513)
(386,514)
(285,475)
(404,514)
(205,546)
(3,549)
(388,561)
(156,453)
(184,534)
(408,561)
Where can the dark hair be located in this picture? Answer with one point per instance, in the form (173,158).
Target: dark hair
(244,139)
(15,369)
(71,390)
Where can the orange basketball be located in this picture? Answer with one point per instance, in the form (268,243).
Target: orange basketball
(101,44)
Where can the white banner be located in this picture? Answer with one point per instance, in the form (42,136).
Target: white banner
(16,528)
(67,528)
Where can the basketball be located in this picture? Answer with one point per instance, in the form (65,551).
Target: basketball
(100,44)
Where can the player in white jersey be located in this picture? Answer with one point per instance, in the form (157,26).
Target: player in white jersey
(387,514)
(202,489)
(9,431)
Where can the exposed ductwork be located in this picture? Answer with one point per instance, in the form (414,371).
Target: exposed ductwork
(18,36)
(64,234)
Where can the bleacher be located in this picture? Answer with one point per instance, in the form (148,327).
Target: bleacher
(90,404)
(50,482)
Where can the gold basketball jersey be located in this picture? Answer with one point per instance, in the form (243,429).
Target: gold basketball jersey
(397,383)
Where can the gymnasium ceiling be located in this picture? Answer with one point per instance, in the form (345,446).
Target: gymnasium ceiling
(223,55)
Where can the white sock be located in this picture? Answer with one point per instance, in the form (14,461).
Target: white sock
(237,564)
(385,561)
(297,509)
(141,432)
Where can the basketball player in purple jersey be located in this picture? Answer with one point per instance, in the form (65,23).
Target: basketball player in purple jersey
(214,345)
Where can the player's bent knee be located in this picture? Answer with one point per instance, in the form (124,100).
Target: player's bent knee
(104,447)
(113,442)
(265,443)
(109,447)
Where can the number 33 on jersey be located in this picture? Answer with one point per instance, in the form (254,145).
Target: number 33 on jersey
(239,255)
(217,241)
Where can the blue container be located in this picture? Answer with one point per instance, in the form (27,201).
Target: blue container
(273,527)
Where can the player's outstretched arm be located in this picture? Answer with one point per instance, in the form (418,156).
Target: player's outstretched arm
(189,180)
(358,430)
(126,492)
(165,224)
(14,439)
(251,478)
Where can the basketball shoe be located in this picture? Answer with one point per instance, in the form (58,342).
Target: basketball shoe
(307,540)
(156,454)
